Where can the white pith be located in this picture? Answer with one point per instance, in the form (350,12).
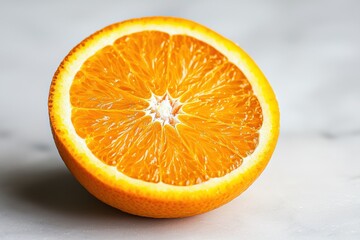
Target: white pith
(163,109)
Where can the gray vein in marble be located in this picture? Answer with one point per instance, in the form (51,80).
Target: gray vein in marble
(343,134)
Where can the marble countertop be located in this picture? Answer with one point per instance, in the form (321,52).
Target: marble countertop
(310,52)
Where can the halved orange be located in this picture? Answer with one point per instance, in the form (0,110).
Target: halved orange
(162,117)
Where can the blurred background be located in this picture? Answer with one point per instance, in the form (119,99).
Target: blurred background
(310,53)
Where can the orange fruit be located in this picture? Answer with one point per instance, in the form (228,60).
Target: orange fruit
(162,117)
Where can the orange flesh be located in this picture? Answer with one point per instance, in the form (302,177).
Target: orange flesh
(215,116)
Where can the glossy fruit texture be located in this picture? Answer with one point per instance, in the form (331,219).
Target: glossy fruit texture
(162,117)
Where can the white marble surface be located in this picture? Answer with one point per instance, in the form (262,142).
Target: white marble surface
(310,52)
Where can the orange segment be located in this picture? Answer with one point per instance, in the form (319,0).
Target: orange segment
(108,134)
(179,165)
(190,63)
(103,83)
(217,159)
(162,117)
(142,158)
(241,139)
(146,55)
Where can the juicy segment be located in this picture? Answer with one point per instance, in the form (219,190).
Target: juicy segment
(217,122)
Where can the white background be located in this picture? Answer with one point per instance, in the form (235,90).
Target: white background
(310,53)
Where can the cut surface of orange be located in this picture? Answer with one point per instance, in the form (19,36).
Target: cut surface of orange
(162,117)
